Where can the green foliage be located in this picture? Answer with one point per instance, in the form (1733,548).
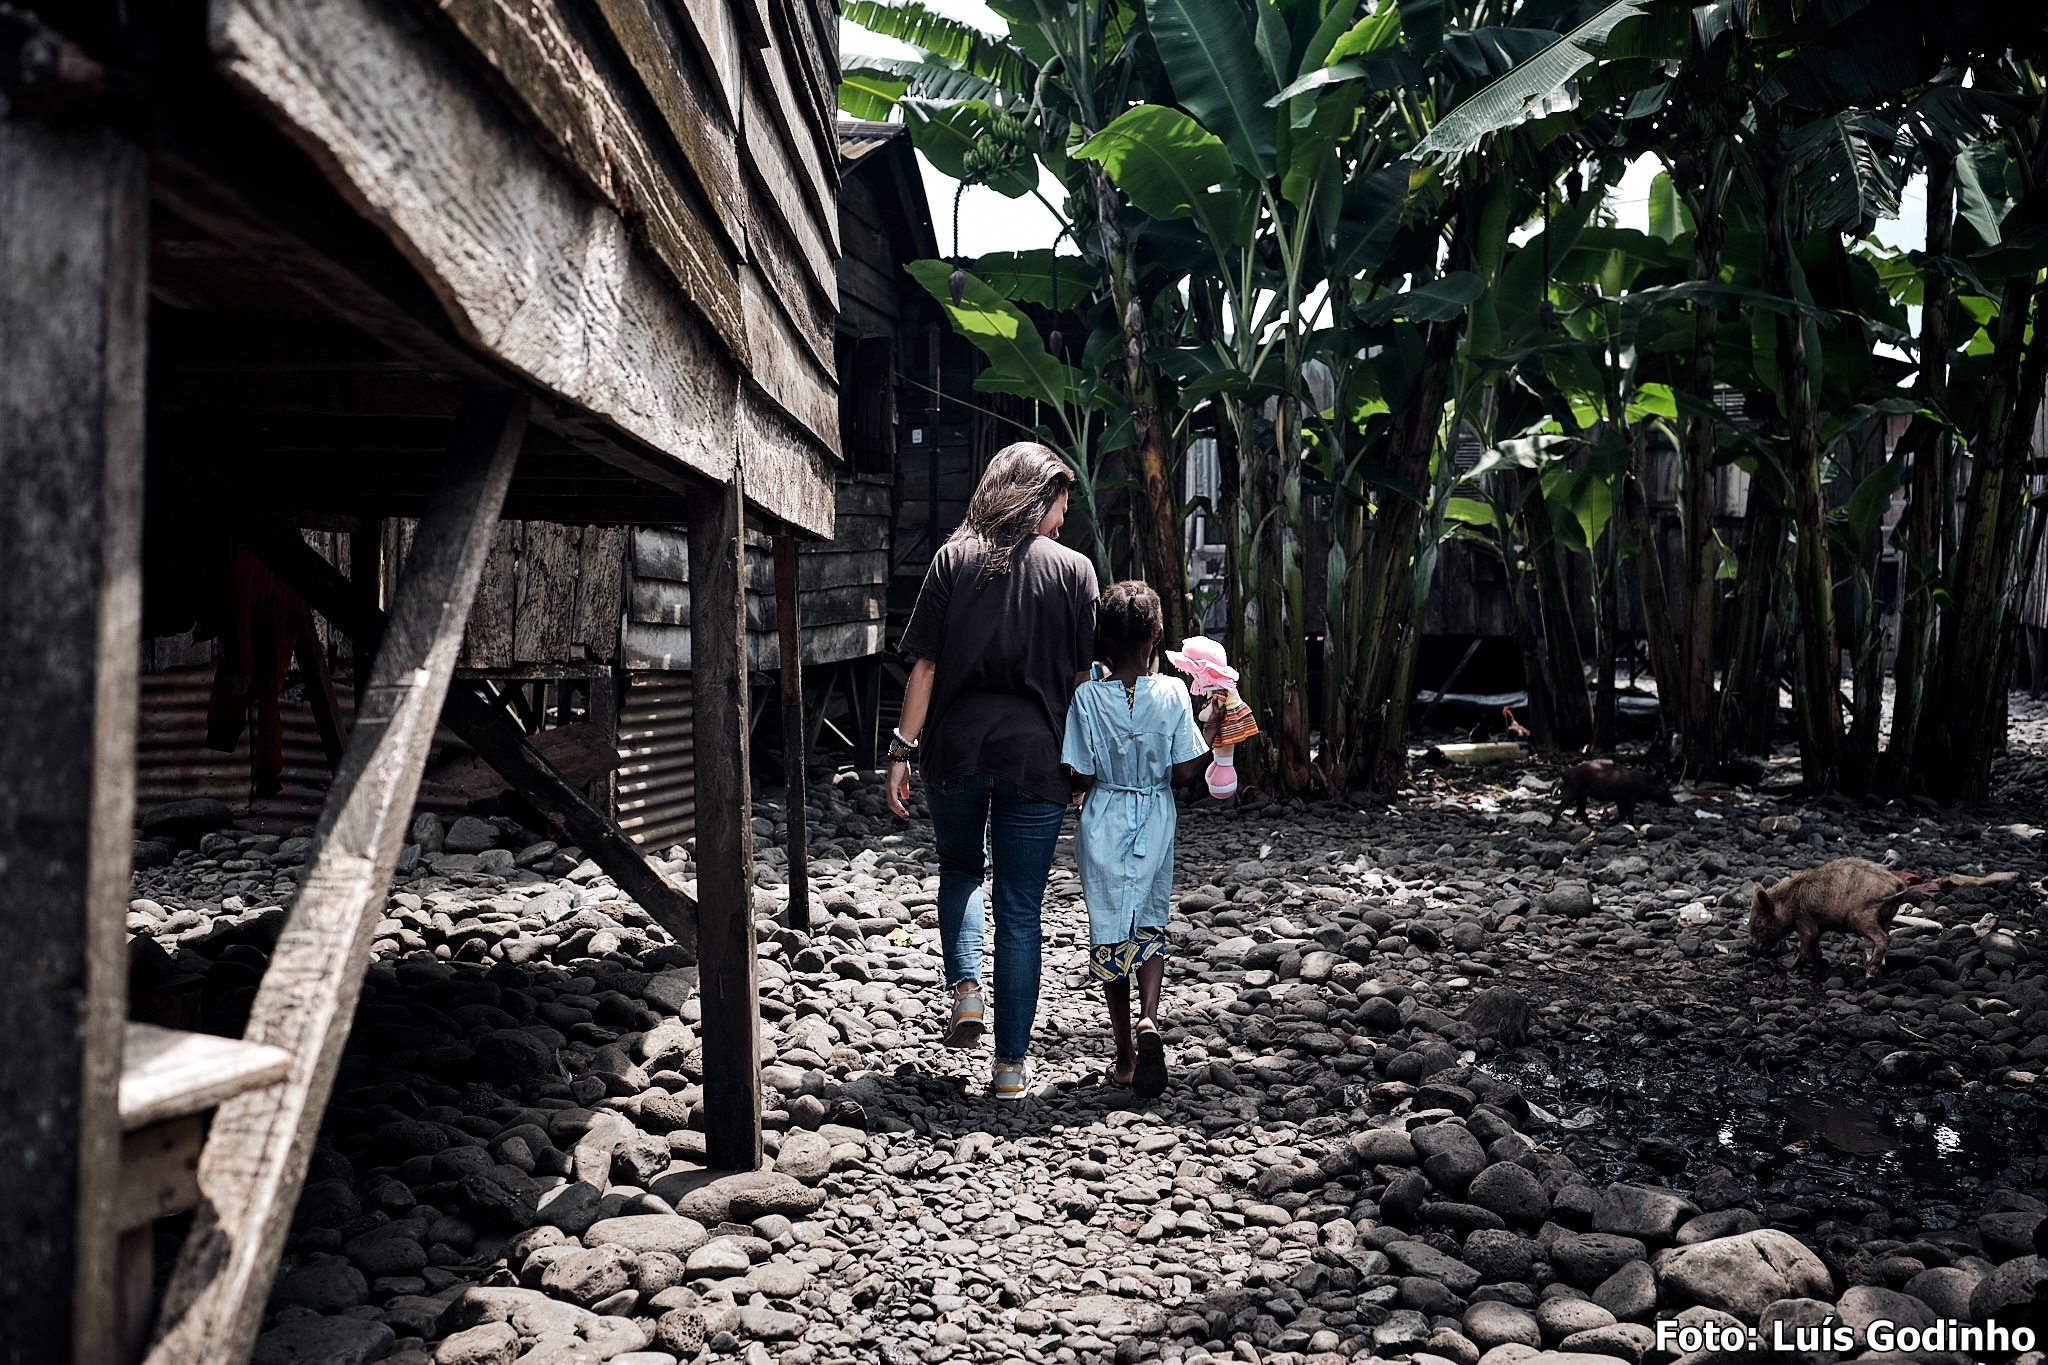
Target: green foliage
(1217,75)
(1531,89)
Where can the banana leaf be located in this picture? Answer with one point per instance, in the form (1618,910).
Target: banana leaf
(929,31)
(933,78)
(1028,277)
(867,92)
(1372,214)
(1532,88)
(1209,57)
(1438,301)
(1169,166)
(1846,170)
(1492,51)
(1018,361)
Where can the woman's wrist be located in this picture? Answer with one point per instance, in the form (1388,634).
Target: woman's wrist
(901,749)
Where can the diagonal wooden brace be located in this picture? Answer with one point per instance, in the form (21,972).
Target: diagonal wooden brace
(257,1150)
(482,725)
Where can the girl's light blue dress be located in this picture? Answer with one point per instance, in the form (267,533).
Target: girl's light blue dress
(1129,743)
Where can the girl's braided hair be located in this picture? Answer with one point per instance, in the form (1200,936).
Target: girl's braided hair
(1127,619)
(1019,487)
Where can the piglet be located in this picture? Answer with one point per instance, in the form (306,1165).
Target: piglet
(1849,895)
(1607,782)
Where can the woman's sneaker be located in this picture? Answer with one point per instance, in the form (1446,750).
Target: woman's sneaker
(963,1030)
(1009,1080)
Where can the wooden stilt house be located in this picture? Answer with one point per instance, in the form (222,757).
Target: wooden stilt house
(331,265)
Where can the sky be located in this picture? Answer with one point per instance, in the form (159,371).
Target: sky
(989,222)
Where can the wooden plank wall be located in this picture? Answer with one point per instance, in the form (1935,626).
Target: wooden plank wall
(550,594)
(673,164)
(842,589)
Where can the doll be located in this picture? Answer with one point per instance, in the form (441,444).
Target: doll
(1211,677)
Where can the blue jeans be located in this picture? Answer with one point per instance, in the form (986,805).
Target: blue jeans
(977,821)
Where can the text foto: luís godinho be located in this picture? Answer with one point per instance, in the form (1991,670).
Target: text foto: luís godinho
(1948,1335)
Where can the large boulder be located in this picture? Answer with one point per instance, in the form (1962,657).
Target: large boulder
(1652,1216)
(494,1343)
(1743,1275)
(327,1284)
(1422,1259)
(323,1341)
(1500,1013)
(1630,1293)
(1488,1325)
(1451,1156)
(644,1232)
(1513,1193)
(1588,1260)
(2014,1283)
(1383,1147)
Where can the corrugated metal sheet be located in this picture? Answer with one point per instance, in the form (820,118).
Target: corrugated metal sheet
(657,781)
(173,763)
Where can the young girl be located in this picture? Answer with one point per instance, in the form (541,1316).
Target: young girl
(1128,732)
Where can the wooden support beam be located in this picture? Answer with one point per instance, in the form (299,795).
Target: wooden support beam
(256,1153)
(312,652)
(868,739)
(74,239)
(725,838)
(365,570)
(482,724)
(793,736)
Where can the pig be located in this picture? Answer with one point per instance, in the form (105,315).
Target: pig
(1606,782)
(1849,895)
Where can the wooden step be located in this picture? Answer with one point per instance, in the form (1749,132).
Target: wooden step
(167,1073)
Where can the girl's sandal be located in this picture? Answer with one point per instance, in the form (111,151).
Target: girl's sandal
(1111,1079)
(1148,1079)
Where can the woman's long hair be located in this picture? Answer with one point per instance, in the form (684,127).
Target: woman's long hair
(1019,487)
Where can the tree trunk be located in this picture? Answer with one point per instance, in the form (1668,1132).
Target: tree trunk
(1344,598)
(1528,624)
(1928,509)
(1608,608)
(1158,529)
(1295,777)
(1699,740)
(1382,710)
(1860,754)
(1664,658)
(1240,633)
(1574,705)
(1817,700)
(1966,731)
(1750,699)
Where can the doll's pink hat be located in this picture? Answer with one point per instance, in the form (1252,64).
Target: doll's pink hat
(1205,663)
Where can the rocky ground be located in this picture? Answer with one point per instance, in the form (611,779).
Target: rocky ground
(1453,1081)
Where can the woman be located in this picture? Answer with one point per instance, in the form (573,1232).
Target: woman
(1002,633)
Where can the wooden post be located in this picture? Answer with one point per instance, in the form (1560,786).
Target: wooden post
(725,840)
(319,683)
(869,740)
(365,569)
(74,241)
(788,628)
(256,1153)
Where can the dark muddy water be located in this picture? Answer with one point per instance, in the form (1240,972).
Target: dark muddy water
(1806,1129)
